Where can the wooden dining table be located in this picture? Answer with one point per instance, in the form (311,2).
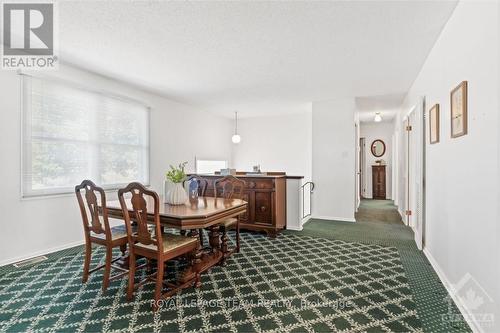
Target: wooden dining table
(193,216)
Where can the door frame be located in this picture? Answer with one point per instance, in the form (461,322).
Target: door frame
(415,147)
(362,167)
(357,161)
(409,169)
(395,168)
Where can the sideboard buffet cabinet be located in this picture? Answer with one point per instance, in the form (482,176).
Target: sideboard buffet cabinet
(266,197)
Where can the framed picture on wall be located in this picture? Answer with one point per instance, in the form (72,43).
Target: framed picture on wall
(434,124)
(458,99)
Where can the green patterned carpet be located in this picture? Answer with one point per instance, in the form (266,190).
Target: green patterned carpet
(429,293)
(294,283)
(378,211)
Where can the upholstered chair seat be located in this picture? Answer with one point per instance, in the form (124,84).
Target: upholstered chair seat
(229,222)
(171,242)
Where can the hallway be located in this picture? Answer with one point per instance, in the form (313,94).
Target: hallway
(382,211)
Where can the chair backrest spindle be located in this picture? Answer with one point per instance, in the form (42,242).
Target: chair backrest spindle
(90,208)
(198,184)
(229,187)
(140,197)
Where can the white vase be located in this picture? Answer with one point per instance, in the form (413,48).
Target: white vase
(175,194)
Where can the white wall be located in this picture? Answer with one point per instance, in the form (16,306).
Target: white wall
(462,220)
(333,159)
(497,253)
(277,143)
(384,132)
(357,161)
(36,226)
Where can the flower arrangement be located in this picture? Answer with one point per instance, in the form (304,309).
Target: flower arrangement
(177,174)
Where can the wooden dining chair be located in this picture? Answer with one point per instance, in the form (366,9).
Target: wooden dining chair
(197,187)
(99,232)
(229,187)
(151,242)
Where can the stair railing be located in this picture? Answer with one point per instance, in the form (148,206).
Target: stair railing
(307,190)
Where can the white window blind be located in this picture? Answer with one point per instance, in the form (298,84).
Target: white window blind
(71,134)
(209,166)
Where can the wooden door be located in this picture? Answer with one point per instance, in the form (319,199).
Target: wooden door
(379,182)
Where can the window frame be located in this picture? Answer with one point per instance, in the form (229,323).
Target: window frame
(26,157)
(209,160)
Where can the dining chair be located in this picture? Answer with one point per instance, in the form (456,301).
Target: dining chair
(197,187)
(99,231)
(149,241)
(229,187)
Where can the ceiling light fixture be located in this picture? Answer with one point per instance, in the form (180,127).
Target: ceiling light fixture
(236,138)
(378,117)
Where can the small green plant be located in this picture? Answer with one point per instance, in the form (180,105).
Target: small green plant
(176,174)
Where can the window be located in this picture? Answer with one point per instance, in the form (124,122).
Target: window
(71,134)
(209,166)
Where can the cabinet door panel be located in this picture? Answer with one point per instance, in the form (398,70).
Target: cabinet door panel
(264,207)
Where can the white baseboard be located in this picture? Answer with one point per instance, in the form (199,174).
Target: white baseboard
(334,218)
(40,253)
(401,212)
(301,226)
(294,228)
(475,327)
(305,220)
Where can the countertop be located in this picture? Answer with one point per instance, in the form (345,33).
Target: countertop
(255,176)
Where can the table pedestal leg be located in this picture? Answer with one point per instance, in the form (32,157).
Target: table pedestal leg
(202,261)
(214,238)
(196,257)
(224,240)
(124,260)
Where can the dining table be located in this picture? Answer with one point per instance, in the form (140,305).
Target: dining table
(192,217)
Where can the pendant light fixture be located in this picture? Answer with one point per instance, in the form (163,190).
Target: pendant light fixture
(236,137)
(378,117)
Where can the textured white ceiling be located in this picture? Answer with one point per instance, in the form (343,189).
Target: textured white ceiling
(255,57)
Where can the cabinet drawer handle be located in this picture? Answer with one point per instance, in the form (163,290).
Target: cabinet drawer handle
(263,208)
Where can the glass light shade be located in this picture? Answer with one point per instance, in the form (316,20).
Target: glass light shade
(236,138)
(378,118)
